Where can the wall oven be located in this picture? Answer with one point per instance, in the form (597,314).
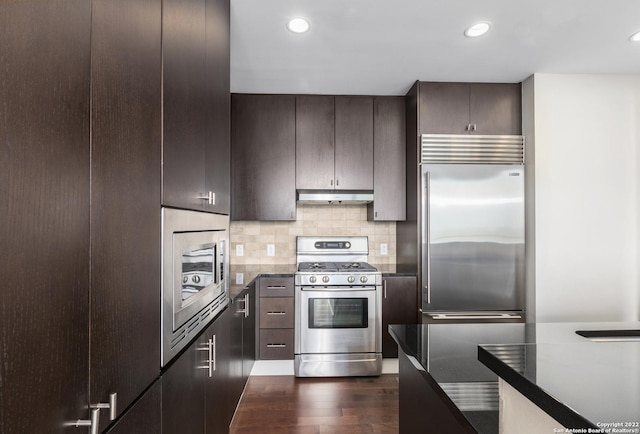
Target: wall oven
(194,275)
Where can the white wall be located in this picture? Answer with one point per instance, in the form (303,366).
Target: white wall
(587,196)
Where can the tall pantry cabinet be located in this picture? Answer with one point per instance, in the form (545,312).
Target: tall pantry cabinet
(80,197)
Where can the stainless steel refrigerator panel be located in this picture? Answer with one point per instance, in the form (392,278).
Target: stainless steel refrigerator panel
(472,237)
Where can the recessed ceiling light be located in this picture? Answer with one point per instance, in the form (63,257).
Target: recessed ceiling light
(298,25)
(477,29)
(635,37)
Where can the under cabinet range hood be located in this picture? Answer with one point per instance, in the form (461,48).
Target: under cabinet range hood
(325,197)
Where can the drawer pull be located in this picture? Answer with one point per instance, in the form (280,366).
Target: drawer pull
(276,345)
(276,287)
(276,313)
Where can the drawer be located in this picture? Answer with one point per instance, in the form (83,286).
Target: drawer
(276,287)
(276,313)
(276,344)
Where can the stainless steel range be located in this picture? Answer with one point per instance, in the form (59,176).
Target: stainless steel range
(338,315)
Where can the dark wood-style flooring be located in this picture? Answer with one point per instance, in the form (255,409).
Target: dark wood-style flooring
(286,404)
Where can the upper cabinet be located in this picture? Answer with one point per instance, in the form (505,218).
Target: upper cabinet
(263,156)
(195,155)
(334,142)
(389,151)
(470,108)
(315,142)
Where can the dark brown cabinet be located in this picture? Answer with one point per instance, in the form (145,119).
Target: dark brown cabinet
(125,197)
(263,157)
(44,214)
(315,142)
(276,319)
(334,142)
(399,306)
(144,417)
(389,160)
(470,108)
(195,54)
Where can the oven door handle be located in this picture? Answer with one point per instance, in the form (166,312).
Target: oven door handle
(337,288)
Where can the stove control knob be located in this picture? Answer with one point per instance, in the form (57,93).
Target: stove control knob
(313,279)
(351,279)
(363,279)
(325,279)
(196,279)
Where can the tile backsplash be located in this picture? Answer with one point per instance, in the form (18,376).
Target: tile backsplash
(312,220)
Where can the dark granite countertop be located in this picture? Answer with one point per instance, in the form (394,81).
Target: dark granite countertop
(250,272)
(448,353)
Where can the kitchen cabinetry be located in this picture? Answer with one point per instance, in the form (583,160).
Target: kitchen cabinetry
(276,307)
(195,62)
(145,415)
(399,306)
(44,214)
(315,142)
(389,154)
(470,108)
(334,142)
(194,387)
(243,344)
(125,198)
(263,157)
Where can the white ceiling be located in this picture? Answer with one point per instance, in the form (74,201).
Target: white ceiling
(381,47)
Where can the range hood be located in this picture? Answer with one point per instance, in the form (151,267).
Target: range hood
(329,197)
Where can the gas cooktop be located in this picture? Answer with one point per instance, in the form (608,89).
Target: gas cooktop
(335,267)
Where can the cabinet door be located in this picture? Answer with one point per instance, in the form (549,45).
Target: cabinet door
(249,334)
(354,143)
(443,108)
(44,214)
(184,105)
(315,142)
(263,157)
(218,147)
(496,108)
(399,306)
(145,415)
(236,380)
(389,166)
(125,193)
(183,386)
(217,375)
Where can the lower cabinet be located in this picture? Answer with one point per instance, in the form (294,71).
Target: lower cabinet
(144,416)
(399,306)
(202,388)
(276,305)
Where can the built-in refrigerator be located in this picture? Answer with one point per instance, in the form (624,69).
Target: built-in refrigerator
(471,228)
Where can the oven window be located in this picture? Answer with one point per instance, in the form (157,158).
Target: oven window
(197,270)
(335,313)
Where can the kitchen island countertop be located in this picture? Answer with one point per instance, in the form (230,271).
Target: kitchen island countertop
(600,381)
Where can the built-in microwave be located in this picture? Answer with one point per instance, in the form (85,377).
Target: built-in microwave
(195,287)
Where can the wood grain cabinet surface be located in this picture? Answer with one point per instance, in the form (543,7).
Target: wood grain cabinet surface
(470,108)
(389,160)
(263,157)
(276,320)
(399,306)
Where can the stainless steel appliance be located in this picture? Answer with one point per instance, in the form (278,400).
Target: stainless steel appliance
(472,227)
(338,296)
(194,275)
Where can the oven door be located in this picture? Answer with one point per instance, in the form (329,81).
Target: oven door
(337,320)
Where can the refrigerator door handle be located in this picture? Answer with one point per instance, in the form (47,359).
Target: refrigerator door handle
(426,232)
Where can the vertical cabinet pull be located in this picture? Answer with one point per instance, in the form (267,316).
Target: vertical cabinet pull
(212,355)
(94,422)
(384,283)
(209,196)
(246,305)
(111,405)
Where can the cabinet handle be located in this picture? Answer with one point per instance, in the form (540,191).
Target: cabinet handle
(474,127)
(384,284)
(212,355)
(94,422)
(111,405)
(209,196)
(276,345)
(276,313)
(332,182)
(245,311)
(277,287)
(337,182)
